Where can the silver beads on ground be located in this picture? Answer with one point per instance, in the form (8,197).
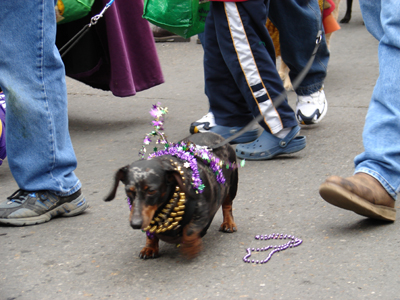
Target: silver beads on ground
(293,242)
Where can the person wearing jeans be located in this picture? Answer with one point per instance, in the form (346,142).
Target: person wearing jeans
(39,149)
(298,22)
(374,187)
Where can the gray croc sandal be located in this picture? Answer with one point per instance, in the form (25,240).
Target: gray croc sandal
(268,146)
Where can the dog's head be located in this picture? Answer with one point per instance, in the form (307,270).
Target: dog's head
(149,184)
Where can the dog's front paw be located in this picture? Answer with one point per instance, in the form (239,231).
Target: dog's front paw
(228,227)
(148,252)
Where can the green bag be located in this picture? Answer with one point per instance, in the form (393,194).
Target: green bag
(183,17)
(71,10)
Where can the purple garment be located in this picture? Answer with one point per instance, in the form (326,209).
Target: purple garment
(134,61)
(117,54)
(2,130)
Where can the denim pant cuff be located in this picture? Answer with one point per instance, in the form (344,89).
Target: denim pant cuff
(391,191)
(76,188)
(308,90)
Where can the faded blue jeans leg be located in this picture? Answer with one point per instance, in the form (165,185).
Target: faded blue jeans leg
(381,135)
(32,75)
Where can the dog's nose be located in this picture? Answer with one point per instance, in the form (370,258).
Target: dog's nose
(136,224)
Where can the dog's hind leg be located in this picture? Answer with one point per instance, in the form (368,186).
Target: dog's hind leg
(151,248)
(191,243)
(228,224)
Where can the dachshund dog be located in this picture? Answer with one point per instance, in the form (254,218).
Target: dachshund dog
(165,203)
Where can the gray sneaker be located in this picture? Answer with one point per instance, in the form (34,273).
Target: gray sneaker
(30,208)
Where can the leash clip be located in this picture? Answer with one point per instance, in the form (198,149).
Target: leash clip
(93,21)
(319,38)
(96,18)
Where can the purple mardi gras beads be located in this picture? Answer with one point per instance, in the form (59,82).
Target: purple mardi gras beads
(186,151)
(293,242)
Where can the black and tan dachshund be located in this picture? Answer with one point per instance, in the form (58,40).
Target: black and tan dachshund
(165,204)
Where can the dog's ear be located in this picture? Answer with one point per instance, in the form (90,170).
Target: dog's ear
(173,175)
(119,176)
(178,179)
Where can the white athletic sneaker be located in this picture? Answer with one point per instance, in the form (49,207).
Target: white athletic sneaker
(204,124)
(311,109)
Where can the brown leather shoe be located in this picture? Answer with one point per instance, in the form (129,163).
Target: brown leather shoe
(163,35)
(361,194)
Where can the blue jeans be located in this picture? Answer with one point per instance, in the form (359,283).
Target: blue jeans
(298,22)
(32,75)
(381,136)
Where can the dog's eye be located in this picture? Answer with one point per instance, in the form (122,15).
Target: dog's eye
(151,192)
(131,194)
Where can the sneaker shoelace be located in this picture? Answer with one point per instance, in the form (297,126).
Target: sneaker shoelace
(18,196)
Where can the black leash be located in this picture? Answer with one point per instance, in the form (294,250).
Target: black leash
(278,101)
(75,39)
(71,43)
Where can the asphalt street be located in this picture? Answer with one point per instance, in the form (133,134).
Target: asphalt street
(95,255)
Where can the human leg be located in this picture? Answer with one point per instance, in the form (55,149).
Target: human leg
(242,41)
(227,106)
(246,48)
(303,17)
(39,149)
(381,158)
(298,22)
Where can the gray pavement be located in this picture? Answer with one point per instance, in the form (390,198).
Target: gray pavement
(95,255)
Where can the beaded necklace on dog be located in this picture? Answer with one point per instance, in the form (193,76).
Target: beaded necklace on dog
(171,215)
